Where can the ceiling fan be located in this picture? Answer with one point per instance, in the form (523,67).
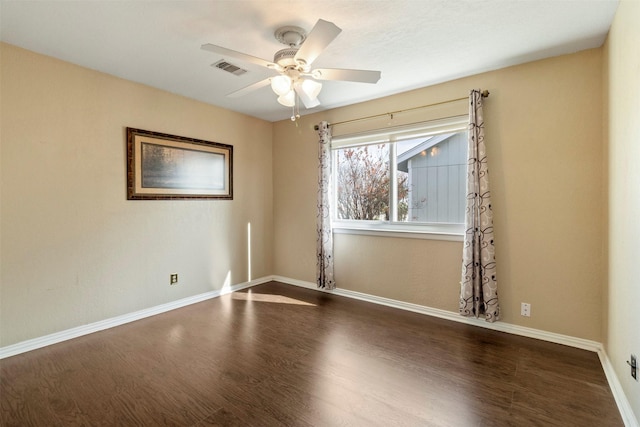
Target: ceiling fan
(293,65)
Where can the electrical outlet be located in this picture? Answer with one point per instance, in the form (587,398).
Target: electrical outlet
(525,309)
(634,367)
(173,279)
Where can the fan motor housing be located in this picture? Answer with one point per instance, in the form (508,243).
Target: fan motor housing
(285,57)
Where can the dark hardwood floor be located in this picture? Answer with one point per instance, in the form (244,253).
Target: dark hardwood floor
(278,355)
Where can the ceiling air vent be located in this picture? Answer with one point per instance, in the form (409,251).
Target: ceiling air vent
(229,68)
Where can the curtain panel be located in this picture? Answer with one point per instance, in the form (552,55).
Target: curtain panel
(324,252)
(479,286)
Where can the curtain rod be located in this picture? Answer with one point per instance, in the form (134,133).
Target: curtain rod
(485,94)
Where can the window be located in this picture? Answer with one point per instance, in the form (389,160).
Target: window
(409,179)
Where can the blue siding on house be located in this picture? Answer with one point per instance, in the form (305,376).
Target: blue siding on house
(437,180)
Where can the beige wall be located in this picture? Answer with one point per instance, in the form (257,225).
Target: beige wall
(544,132)
(622,131)
(74,250)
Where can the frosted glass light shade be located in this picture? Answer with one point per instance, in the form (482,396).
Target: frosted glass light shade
(288,99)
(311,88)
(281,84)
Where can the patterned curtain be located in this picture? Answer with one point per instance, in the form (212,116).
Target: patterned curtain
(324,264)
(479,288)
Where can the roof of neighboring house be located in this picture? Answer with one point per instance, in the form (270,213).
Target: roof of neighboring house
(403,159)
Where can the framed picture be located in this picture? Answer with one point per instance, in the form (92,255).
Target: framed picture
(162,166)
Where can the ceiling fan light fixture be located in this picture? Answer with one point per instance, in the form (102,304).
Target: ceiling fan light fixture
(297,83)
(288,99)
(311,88)
(281,84)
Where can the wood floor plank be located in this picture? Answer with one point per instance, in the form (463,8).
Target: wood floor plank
(278,355)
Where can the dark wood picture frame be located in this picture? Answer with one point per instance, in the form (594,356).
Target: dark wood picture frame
(162,166)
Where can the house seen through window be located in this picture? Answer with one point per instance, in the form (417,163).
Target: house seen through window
(405,178)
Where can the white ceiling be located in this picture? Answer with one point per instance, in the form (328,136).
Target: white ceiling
(414,43)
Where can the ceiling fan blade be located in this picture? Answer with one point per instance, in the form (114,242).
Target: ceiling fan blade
(323,33)
(237,55)
(308,102)
(250,88)
(362,76)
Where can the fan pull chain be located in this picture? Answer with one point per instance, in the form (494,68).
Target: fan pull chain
(295,112)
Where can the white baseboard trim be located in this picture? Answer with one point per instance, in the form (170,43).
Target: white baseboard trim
(35,343)
(626,412)
(449,315)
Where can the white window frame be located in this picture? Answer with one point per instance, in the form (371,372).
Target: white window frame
(415,230)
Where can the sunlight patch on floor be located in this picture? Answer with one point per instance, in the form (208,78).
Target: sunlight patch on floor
(278,299)
(176,334)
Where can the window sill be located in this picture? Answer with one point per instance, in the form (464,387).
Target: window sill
(453,233)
